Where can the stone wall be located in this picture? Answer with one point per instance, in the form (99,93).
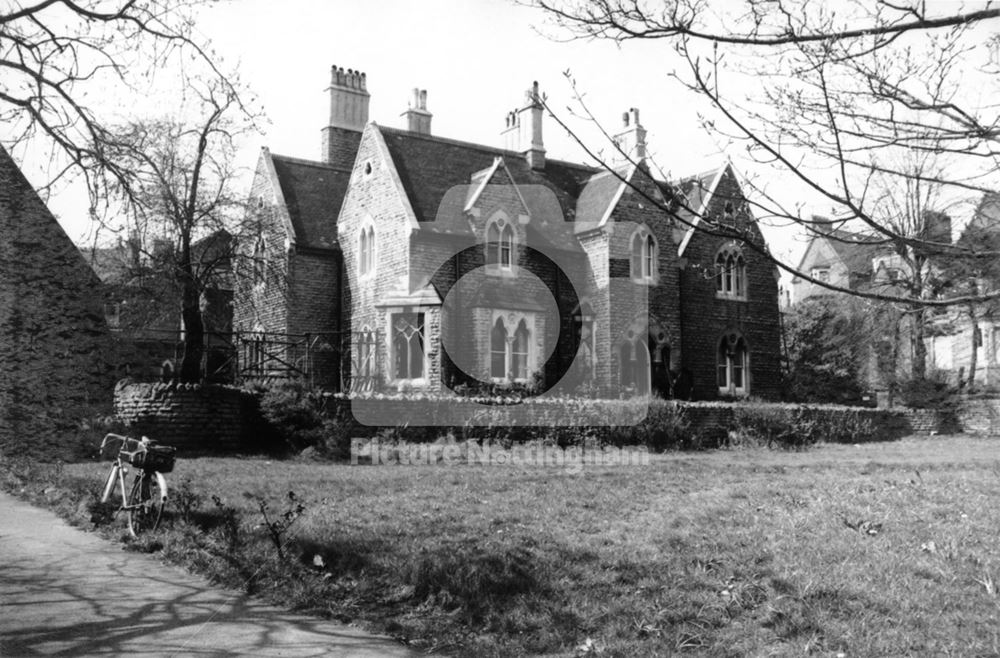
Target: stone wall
(195,418)
(56,361)
(979,416)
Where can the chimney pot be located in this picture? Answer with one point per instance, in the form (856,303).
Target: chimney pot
(631,142)
(418,118)
(523,129)
(349,101)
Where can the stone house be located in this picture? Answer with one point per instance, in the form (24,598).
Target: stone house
(427,263)
(56,361)
(142,303)
(840,257)
(852,260)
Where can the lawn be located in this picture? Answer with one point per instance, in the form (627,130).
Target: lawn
(879,549)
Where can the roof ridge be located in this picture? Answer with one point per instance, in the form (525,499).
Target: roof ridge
(310,163)
(494,150)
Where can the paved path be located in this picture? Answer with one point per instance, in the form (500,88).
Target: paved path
(67,592)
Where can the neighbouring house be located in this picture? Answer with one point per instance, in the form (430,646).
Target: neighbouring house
(142,303)
(407,261)
(859,262)
(839,257)
(56,365)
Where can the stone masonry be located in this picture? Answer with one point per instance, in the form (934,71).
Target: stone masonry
(55,347)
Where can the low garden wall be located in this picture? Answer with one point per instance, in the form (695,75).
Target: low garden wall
(212,418)
(978,416)
(191,417)
(708,422)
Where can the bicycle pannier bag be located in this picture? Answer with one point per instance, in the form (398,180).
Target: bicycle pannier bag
(153,458)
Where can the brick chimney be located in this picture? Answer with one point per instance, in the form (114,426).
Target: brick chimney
(418,119)
(348,116)
(631,141)
(523,130)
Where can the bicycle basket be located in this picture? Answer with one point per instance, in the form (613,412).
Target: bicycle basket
(153,458)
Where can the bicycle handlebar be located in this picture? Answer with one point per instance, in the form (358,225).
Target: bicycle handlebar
(123,441)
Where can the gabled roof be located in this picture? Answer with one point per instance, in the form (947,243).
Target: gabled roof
(599,197)
(313,193)
(428,167)
(692,202)
(856,251)
(985,223)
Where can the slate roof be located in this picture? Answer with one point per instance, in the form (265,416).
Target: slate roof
(983,230)
(596,197)
(855,250)
(430,166)
(313,192)
(438,176)
(693,190)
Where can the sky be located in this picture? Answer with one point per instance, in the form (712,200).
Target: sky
(475,58)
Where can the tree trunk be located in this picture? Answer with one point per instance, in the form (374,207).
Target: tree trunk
(919,368)
(194,332)
(974,349)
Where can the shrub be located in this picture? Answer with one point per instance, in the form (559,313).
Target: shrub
(930,392)
(293,414)
(846,426)
(773,425)
(665,427)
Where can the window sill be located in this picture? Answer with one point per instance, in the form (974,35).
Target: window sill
(738,393)
(644,282)
(496,270)
(400,384)
(730,297)
(509,382)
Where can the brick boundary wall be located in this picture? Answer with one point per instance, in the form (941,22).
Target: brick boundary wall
(192,417)
(979,416)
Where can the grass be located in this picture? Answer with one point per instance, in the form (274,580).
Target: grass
(880,549)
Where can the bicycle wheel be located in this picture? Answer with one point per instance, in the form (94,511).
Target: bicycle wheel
(145,502)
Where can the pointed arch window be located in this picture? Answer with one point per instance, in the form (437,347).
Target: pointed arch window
(498,350)
(519,352)
(730,273)
(259,260)
(510,352)
(407,346)
(644,252)
(634,365)
(732,365)
(583,320)
(500,244)
(366,357)
(366,250)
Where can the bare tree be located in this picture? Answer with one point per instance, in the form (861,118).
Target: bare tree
(976,273)
(62,59)
(182,188)
(840,98)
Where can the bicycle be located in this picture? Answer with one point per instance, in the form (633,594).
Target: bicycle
(145,501)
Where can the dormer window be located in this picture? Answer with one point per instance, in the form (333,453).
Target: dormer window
(500,244)
(730,273)
(644,256)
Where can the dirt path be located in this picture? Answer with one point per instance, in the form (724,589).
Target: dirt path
(67,592)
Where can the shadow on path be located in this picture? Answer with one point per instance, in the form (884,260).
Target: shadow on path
(66,592)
